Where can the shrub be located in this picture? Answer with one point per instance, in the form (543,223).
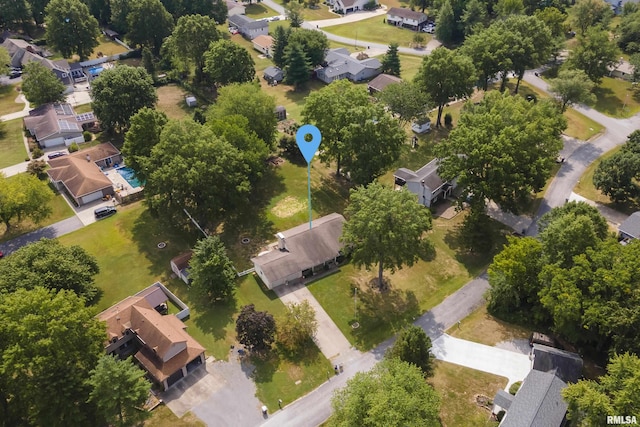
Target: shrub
(37,152)
(448,120)
(73,148)
(371,5)
(87,136)
(515,387)
(37,168)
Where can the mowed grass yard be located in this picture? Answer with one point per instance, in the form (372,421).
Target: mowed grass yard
(483,328)
(171,101)
(125,246)
(375,31)
(322,12)
(617,98)
(12,144)
(107,47)
(8,95)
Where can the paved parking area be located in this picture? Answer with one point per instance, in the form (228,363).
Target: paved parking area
(505,363)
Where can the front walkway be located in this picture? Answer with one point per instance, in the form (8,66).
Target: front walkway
(496,361)
(329,339)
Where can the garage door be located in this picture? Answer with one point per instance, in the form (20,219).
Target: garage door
(174,377)
(194,364)
(91,197)
(53,142)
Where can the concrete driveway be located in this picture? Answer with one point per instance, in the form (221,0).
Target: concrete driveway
(496,361)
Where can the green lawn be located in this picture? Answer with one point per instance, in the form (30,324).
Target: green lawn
(107,47)
(616,98)
(458,387)
(483,328)
(12,144)
(163,417)
(414,290)
(59,210)
(375,31)
(171,101)
(84,108)
(8,104)
(259,10)
(323,12)
(409,66)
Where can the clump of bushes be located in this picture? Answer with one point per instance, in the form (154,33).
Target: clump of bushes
(448,120)
(73,148)
(87,136)
(515,387)
(37,152)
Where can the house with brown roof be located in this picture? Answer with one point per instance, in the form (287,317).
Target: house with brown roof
(57,124)
(159,343)
(382,81)
(235,8)
(180,266)
(301,252)
(406,18)
(79,175)
(22,52)
(263,44)
(425,183)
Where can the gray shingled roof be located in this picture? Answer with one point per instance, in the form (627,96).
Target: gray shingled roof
(567,365)
(340,62)
(407,14)
(538,402)
(244,22)
(382,81)
(503,399)
(428,173)
(305,248)
(631,225)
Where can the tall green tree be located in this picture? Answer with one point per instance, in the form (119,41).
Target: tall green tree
(52,265)
(586,14)
(100,9)
(249,101)
(16,15)
(391,61)
(119,390)
(329,109)
(211,271)
(5,61)
(298,327)
(629,32)
(70,28)
(617,175)
(413,346)
(502,149)
(315,44)
(446,21)
(227,62)
(513,277)
(220,11)
(40,85)
(474,16)
(49,342)
(118,93)
(255,330)
(420,4)
(372,141)
(385,227)
(119,11)
(595,54)
(294,11)
(142,136)
(506,8)
(207,176)
(190,39)
(445,75)
(280,41)
(393,393)
(489,51)
(23,196)
(572,87)
(554,19)
(148,24)
(406,101)
(298,67)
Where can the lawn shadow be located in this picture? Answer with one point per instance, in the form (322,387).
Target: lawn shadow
(213,318)
(606,101)
(264,367)
(306,355)
(330,196)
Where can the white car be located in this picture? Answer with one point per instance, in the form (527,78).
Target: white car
(419,127)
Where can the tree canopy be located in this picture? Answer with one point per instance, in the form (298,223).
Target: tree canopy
(298,327)
(49,342)
(586,14)
(227,62)
(594,54)
(148,24)
(393,393)
(119,391)
(40,85)
(249,101)
(617,176)
(23,196)
(503,149)
(190,39)
(391,61)
(50,264)
(406,101)
(211,271)
(142,136)
(489,51)
(294,10)
(255,329)
(70,28)
(413,346)
(5,61)
(572,87)
(385,227)
(314,43)
(120,92)
(298,67)
(445,75)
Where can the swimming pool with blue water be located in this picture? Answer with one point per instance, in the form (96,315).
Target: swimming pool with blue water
(130,176)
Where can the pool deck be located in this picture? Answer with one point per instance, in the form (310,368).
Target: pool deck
(119,183)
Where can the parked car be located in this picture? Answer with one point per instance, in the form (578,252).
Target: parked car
(233,30)
(104,212)
(275,18)
(14,74)
(56,154)
(421,127)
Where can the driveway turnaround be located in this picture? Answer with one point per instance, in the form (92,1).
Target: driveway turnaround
(493,360)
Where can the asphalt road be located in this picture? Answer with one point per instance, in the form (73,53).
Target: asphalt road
(54,230)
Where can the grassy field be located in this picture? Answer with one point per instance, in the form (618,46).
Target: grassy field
(458,387)
(59,210)
(616,98)
(171,102)
(483,328)
(259,10)
(163,417)
(84,108)
(375,31)
(322,12)
(8,104)
(12,144)
(107,47)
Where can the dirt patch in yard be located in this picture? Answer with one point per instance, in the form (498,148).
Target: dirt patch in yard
(288,206)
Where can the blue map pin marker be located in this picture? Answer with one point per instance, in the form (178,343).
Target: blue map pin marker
(308,148)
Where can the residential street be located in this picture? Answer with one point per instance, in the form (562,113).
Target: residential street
(54,230)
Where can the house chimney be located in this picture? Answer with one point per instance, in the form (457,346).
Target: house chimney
(88,158)
(281,243)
